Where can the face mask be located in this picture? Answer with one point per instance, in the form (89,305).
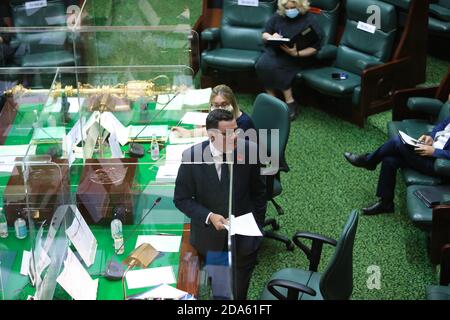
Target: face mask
(227,107)
(292,13)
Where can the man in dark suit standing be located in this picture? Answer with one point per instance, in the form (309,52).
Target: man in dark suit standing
(202,192)
(395,154)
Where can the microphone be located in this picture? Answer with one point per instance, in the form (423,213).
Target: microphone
(115,269)
(136,150)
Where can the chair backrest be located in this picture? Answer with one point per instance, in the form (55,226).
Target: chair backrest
(444,113)
(336,282)
(327,18)
(272,113)
(357,46)
(242,26)
(53,14)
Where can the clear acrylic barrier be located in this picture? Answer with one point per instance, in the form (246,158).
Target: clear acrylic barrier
(109,182)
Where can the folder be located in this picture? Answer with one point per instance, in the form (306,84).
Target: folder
(304,39)
(433,196)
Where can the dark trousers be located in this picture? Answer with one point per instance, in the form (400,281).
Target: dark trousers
(395,154)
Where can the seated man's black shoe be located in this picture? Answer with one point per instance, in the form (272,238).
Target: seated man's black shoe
(293,110)
(359,160)
(378,208)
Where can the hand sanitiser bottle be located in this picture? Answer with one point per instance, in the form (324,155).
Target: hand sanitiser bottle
(154,148)
(117,235)
(3,225)
(20,226)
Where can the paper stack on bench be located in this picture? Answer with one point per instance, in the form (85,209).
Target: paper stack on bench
(168,172)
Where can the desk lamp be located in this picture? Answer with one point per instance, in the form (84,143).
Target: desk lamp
(141,257)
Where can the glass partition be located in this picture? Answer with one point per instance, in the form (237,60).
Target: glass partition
(101,155)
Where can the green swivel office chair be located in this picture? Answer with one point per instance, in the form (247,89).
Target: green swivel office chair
(271,113)
(335,283)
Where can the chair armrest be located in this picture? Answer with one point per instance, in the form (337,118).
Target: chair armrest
(327,52)
(293,289)
(363,64)
(315,252)
(400,111)
(425,105)
(379,83)
(442,167)
(210,34)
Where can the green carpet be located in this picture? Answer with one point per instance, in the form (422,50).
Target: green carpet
(321,190)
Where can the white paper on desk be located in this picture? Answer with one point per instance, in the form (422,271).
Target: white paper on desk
(8,155)
(82,238)
(174,153)
(53,38)
(162,243)
(176,102)
(95,116)
(150,277)
(76,280)
(244,225)
(168,172)
(74,105)
(197,97)
(109,121)
(26,257)
(175,139)
(114,145)
(195,118)
(164,291)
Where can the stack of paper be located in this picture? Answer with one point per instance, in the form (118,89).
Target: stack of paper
(168,173)
(195,118)
(8,155)
(150,277)
(76,280)
(174,153)
(191,99)
(137,133)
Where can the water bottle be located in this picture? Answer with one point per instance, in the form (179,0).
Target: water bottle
(20,226)
(154,148)
(3,225)
(117,235)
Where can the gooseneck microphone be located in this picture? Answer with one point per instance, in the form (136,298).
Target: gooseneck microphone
(114,269)
(136,150)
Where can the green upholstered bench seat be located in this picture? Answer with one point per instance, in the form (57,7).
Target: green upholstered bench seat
(439,11)
(438,292)
(231,59)
(418,212)
(413,177)
(413,127)
(49,59)
(438,26)
(321,80)
(307,278)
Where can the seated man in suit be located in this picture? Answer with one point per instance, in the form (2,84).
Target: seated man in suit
(395,154)
(202,193)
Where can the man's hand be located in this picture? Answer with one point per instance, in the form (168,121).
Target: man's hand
(218,221)
(424,150)
(427,140)
(290,51)
(182,132)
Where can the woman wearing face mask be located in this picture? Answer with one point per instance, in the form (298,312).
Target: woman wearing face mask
(222,97)
(278,65)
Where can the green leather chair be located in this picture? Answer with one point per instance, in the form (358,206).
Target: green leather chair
(357,51)
(439,18)
(271,113)
(335,283)
(327,16)
(237,44)
(45,48)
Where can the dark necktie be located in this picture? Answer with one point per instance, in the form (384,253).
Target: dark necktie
(225,172)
